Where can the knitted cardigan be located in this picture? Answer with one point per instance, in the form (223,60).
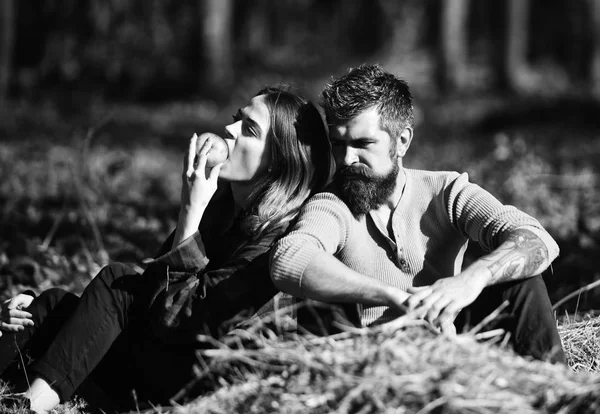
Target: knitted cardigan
(436,217)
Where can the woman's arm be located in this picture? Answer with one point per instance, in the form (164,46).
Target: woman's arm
(184,251)
(197,189)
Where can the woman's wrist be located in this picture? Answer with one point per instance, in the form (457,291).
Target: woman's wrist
(191,214)
(187,223)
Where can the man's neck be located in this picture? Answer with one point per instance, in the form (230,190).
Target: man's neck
(396,195)
(384,212)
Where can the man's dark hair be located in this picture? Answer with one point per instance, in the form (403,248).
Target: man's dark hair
(365,87)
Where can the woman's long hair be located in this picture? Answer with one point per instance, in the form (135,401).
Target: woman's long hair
(300,160)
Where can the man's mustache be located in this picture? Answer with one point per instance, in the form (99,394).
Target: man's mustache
(355,172)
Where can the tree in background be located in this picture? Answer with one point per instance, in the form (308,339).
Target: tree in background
(595,61)
(216,45)
(7,40)
(514,71)
(157,49)
(453,51)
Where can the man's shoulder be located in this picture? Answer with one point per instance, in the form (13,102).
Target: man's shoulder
(430,175)
(424,179)
(330,194)
(328,201)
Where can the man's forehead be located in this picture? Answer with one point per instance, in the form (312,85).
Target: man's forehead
(365,123)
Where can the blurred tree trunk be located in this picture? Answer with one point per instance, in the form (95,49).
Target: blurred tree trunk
(7,40)
(516,71)
(257,35)
(595,11)
(452,68)
(216,43)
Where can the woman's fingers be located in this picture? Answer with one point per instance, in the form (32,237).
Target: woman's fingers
(7,327)
(206,145)
(188,163)
(214,173)
(16,314)
(20,301)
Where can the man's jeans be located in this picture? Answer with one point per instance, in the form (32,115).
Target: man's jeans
(528,317)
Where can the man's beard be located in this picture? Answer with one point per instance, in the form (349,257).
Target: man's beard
(362,190)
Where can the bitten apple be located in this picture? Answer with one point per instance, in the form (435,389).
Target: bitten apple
(219,152)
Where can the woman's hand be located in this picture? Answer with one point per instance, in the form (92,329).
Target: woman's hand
(12,318)
(198,187)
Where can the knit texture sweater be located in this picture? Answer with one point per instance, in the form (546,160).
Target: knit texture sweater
(437,215)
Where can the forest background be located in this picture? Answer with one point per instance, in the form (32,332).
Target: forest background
(98,99)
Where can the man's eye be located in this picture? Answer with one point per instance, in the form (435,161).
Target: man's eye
(337,144)
(236,117)
(363,144)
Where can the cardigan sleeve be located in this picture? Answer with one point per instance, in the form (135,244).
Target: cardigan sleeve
(480,217)
(189,256)
(323,225)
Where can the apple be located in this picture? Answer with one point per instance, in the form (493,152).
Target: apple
(219,152)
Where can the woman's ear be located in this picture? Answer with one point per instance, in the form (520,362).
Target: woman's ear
(404,141)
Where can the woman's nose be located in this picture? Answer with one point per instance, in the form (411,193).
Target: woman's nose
(230,130)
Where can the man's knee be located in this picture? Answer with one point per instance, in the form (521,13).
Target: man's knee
(533,288)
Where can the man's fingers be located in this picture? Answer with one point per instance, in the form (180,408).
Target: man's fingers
(448,315)
(435,308)
(448,328)
(416,289)
(430,300)
(417,297)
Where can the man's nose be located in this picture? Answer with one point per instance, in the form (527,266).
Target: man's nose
(350,156)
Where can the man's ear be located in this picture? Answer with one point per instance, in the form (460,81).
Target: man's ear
(404,141)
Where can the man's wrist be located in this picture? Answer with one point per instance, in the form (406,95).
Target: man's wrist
(394,297)
(479,274)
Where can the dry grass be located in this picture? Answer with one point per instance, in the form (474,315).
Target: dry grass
(581,342)
(62,197)
(410,371)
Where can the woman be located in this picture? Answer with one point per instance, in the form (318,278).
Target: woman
(138,332)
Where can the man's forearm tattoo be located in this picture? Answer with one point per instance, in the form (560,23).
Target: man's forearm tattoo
(523,254)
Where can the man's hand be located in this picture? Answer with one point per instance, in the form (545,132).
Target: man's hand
(12,318)
(397,298)
(442,301)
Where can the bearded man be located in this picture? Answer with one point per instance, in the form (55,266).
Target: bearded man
(384,238)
